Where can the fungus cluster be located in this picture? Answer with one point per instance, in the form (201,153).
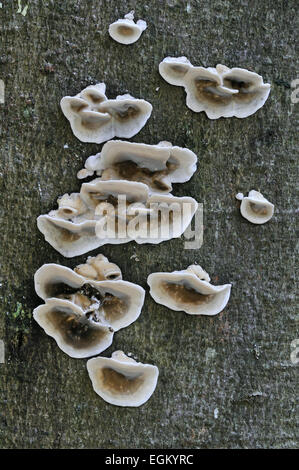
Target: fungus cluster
(94,118)
(130,199)
(84,307)
(157,166)
(116,212)
(219,91)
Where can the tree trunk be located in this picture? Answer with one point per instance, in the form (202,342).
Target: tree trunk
(225,381)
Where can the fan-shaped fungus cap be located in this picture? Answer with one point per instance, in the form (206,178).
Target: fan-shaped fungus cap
(126,31)
(122,302)
(50,279)
(68,238)
(171,216)
(220,91)
(94,118)
(155,165)
(174,70)
(97,191)
(188,290)
(70,205)
(129,114)
(75,333)
(99,268)
(256,208)
(122,381)
(115,303)
(88,123)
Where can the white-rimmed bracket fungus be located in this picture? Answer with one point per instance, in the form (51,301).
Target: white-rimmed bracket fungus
(189,290)
(50,278)
(95,119)
(126,31)
(88,123)
(158,166)
(122,381)
(116,212)
(129,114)
(70,205)
(67,237)
(255,207)
(174,70)
(219,91)
(73,234)
(99,268)
(115,303)
(76,334)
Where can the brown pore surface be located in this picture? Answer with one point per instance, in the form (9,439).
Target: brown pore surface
(67,235)
(129,170)
(259,209)
(122,112)
(184,294)
(77,107)
(77,331)
(179,70)
(117,383)
(204,91)
(94,122)
(94,97)
(114,307)
(125,30)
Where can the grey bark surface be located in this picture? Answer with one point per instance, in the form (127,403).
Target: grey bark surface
(226,381)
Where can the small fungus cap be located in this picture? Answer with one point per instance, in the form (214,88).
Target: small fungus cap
(126,31)
(129,114)
(175,69)
(99,268)
(256,208)
(121,380)
(189,291)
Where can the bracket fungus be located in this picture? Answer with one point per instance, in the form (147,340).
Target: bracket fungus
(94,118)
(99,268)
(126,31)
(157,166)
(122,381)
(219,91)
(49,278)
(95,286)
(75,333)
(255,207)
(115,211)
(188,290)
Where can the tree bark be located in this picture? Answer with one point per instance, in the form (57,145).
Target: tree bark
(225,381)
